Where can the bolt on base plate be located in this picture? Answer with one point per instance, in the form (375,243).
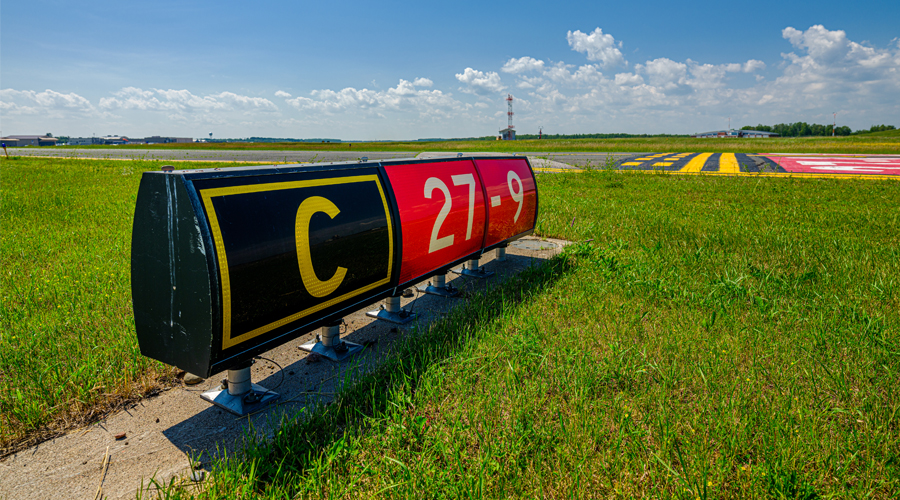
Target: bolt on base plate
(391,312)
(242,404)
(337,354)
(473,270)
(445,291)
(401,317)
(440,287)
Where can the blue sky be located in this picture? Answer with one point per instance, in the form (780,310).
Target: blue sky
(403,70)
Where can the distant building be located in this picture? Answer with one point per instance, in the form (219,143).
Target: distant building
(84,141)
(736,134)
(155,139)
(508,134)
(18,141)
(113,140)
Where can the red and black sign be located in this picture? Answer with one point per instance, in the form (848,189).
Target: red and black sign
(227,264)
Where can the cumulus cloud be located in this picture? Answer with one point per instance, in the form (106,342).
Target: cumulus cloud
(522,64)
(479,82)
(835,68)
(664,73)
(821,70)
(629,79)
(753,65)
(183,101)
(30,102)
(597,46)
(404,96)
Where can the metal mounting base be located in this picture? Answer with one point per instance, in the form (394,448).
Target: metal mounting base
(392,312)
(440,287)
(329,344)
(473,270)
(242,404)
(342,352)
(445,291)
(501,254)
(401,318)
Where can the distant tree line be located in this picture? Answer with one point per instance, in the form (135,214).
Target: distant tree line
(800,129)
(803,129)
(877,128)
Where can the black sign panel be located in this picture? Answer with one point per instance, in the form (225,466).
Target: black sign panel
(289,249)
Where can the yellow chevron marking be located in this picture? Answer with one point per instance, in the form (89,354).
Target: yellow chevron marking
(631,163)
(663,164)
(728,164)
(696,163)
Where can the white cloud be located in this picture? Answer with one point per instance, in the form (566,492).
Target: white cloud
(479,82)
(664,73)
(49,101)
(402,97)
(183,101)
(628,79)
(586,75)
(597,46)
(753,65)
(822,71)
(522,65)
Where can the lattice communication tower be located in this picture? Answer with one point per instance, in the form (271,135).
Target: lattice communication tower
(509,112)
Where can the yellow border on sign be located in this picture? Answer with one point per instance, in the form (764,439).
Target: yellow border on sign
(208,194)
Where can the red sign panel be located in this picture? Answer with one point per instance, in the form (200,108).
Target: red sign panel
(511,195)
(441,207)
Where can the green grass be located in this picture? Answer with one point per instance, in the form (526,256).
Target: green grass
(68,351)
(708,338)
(716,337)
(865,143)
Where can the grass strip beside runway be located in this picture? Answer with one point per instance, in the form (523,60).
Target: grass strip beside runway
(710,337)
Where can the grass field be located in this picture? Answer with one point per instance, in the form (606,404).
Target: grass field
(709,337)
(876,143)
(68,351)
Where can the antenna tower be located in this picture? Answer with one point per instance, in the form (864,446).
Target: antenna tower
(509,112)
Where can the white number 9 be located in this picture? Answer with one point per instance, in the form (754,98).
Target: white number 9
(517,196)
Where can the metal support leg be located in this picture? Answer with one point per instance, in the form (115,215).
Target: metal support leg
(330,345)
(238,394)
(440,287)
(473,270)
(392,312)
(501,254)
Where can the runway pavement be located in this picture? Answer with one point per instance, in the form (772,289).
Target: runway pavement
(798,165)
(281,156)
(242,156)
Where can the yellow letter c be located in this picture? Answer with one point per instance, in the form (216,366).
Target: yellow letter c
(315,286)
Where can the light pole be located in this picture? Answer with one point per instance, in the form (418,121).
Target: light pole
(834,124)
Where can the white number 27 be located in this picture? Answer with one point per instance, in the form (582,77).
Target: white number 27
(458,180)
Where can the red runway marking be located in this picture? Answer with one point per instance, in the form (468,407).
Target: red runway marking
(877,165)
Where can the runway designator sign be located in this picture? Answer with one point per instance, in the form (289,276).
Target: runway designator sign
(227,264)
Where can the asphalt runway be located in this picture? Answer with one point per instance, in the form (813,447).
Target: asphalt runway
(278,156)
(798,165)
(242,156)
